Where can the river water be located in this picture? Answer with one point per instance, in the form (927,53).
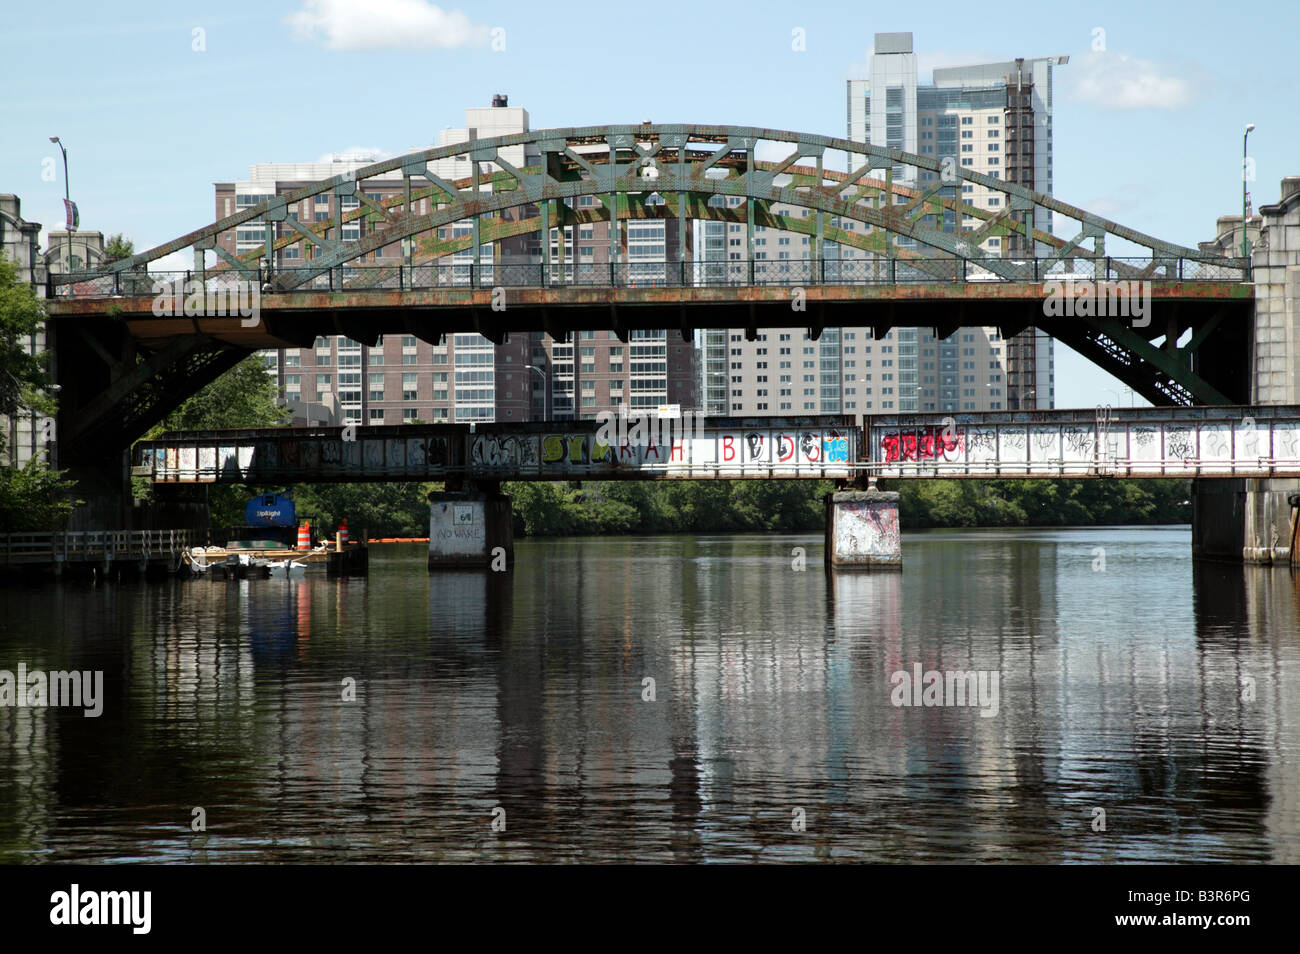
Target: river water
(1147,709)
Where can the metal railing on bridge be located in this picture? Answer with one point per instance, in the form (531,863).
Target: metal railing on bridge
(641,274)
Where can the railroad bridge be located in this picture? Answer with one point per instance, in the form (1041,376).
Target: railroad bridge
(1205,443)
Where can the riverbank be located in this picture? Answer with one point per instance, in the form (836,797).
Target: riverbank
(617,508)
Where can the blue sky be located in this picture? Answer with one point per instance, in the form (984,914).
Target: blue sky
(1147,131)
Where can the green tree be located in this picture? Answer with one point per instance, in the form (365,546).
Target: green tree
(242,397)
(393,509)
(32,497)
(1041,503)
(24,380)
(667,506)
(118,247)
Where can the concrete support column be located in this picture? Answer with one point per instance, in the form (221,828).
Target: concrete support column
(1275,371)
(862,530)
(470,528)
(1243,520)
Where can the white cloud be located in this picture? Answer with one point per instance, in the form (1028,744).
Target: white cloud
(181,261)
(1121,200)
(1113,80)
(384,25)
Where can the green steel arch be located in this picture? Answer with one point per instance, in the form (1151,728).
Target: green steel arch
(614,163)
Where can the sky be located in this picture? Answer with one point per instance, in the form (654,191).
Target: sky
(156,101)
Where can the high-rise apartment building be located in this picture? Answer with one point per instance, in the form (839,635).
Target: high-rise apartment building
(465,377)
(992,118)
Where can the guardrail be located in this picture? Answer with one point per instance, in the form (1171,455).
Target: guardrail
(74,546)
(641,274)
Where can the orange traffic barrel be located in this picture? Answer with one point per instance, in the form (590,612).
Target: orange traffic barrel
(304,537)
(343,531)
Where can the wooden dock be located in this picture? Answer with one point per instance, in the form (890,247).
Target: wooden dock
(353,558)
(98,554)
(145,554)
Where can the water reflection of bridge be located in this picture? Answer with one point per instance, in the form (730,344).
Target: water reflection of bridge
(525,690)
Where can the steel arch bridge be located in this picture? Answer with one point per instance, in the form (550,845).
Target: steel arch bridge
(918,261)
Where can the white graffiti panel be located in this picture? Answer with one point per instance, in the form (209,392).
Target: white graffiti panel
(1144,445)
(1215,443)
(1012,446)
(1285,445)
(1044,443)
(1180,444)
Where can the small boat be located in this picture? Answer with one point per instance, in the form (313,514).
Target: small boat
(287,568)
(240,566)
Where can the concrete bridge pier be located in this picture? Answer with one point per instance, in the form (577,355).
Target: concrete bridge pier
(471,527)
(1243,520)
(862,530)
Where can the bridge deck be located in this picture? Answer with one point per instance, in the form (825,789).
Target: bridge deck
(293,319)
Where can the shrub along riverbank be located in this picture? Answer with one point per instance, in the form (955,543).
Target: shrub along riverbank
(719,506)
(625,507)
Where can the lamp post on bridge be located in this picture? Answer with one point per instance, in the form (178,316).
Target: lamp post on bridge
(68,202)
(1119,402)
(1245,242)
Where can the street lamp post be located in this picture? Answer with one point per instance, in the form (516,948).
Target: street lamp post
(546,387)
(68,200)
(1119,400)
(1245,242)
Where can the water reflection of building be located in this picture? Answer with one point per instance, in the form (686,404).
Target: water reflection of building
(964,602)
(1267,665)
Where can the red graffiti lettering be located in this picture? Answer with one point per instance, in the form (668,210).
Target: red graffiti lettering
(927,443)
